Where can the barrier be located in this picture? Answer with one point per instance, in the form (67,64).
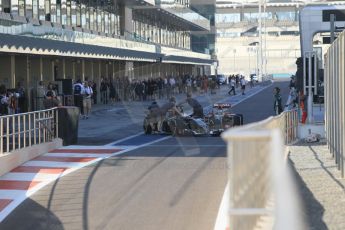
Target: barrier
(262,192)
(27,129)
(335,99)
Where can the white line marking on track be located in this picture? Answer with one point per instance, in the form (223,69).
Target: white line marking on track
(29,176)
(88,147)
(192,146)
(53,164)
(222,221)
(11,194)
(124,139)
(77,155)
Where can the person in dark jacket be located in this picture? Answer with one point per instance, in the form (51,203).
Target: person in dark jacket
(278,109)
(21,98)
(198,111)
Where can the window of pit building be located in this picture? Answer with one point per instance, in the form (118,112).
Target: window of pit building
(28,8)
(5,6)
(21,8)
(47,10)
(84,19)
(68,15)
(35,9)
(41,11)
(73,13)
(53,11)
(64,12)
(14,7)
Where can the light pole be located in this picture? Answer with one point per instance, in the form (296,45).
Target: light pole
(260,43)
(265,48)
(249,50)
(234,51)
(257,70)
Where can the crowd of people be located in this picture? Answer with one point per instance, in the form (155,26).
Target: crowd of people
(12,101)
(110,91)
(122,89)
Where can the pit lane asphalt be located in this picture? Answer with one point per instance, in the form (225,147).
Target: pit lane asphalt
(177,183)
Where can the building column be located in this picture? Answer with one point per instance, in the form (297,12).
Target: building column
(41,68)
(28,71)
(129,69)
(92,72)
(73,70)
(13,71)
(113,75)
(99,80)
(52,70)
(241,14)
(83,69)
(63,68)
(107,69)
(126,25)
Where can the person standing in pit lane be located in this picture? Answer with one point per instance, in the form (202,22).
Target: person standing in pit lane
(243,85)
(87,99)
(78,92)
(277,101)
(166,109)
(232,86)
(198,111)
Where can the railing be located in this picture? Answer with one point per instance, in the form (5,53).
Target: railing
(26,129)
(335,99)
(60,34)
(261,187)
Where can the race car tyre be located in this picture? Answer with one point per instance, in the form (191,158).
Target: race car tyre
(148,129)
(165,127)
(174,129)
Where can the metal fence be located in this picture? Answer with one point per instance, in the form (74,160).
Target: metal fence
(26,129)
(335,99)
(262,191)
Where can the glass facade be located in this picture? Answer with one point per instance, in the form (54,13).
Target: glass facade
(104,17)
(279,19)
(28,8)
(152,29)
(253,16)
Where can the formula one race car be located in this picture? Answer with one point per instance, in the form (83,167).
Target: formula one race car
(177,125)
(220,118)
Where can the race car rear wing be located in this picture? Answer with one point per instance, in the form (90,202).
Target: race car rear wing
(222,105)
